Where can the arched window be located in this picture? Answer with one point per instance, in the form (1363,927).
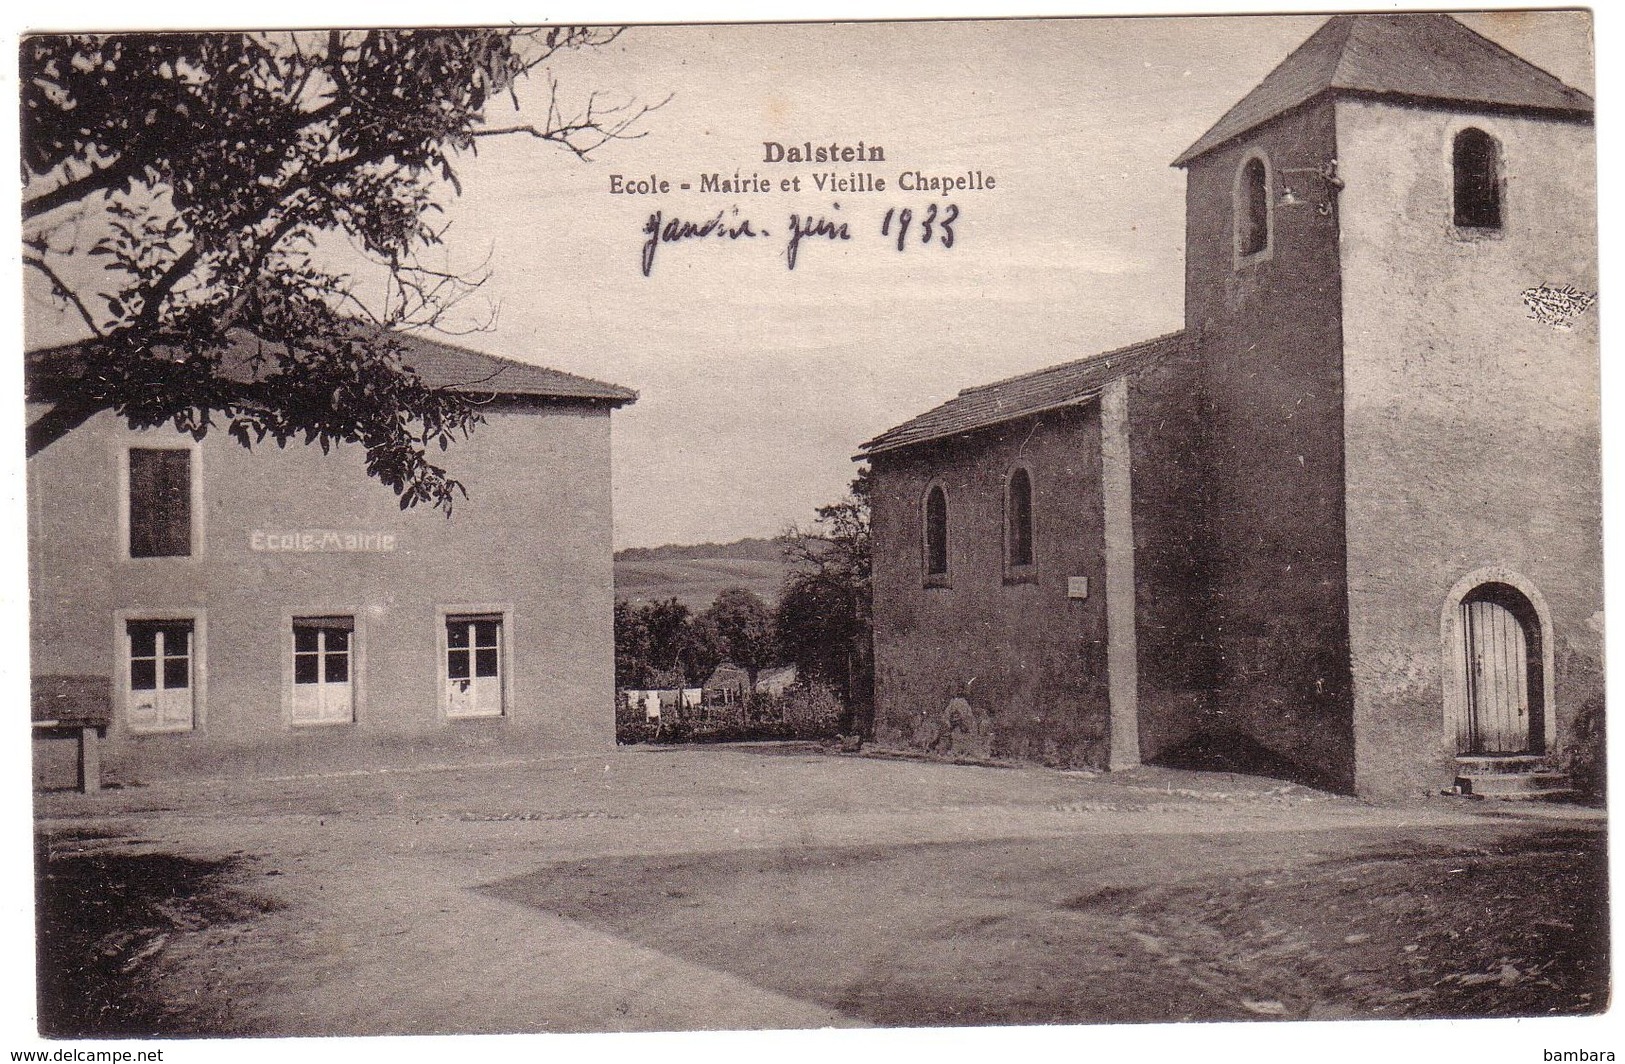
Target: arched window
(1476,161)
(1252,208)
(936,532)
(1018,518)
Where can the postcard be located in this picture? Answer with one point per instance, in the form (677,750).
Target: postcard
(947,525)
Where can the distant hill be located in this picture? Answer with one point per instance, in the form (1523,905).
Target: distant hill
(695,574)
(747,550)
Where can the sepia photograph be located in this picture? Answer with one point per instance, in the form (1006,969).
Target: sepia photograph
(1090,523)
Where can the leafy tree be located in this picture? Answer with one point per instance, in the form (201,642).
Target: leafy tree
(743,627)
(212,174)
(667,624)
(824,620)
(662,645)
(631,647)
(705,650)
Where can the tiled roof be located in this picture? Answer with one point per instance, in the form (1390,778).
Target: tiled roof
(1415,56)
(1030,393)
(443,365)
(51,371)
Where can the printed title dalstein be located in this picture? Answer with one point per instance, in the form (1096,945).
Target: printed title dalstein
(833,152)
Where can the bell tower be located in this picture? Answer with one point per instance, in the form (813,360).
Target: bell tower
(1390,249)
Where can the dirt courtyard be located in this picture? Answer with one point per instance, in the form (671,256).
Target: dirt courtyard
(778,886)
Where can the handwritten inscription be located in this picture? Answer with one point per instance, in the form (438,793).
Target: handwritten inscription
(856,171)
(905,227)
(930,225)
(661,230)
(813,227)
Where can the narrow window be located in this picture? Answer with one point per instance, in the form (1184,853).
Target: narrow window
(1477,165)
(474,666)
(323,689)
(1019,518)
(160,503)
(159,695)
(936,532)
(1252,209)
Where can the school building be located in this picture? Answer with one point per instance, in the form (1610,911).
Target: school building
(220,610)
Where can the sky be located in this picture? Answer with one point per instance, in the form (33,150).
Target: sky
(758,383)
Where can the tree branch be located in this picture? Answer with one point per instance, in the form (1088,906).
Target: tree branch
(61,288)
(102,180)
(152,304)
(63,417)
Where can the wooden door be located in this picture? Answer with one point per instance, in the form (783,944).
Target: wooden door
(1498,703)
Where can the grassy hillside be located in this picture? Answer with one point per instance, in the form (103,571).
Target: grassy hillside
(750,549)
(695,574)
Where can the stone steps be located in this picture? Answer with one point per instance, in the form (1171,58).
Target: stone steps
(1512,778)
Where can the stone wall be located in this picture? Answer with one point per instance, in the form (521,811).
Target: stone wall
(989,663)
(1271,345)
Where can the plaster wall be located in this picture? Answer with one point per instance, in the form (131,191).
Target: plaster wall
(1272,535)
(532,539)
(1471,431)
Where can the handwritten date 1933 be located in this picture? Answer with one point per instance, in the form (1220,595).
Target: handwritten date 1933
(931,225)
(935,226)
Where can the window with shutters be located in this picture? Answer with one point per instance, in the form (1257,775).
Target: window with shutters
(159,502)
(160,678)
(474,666)
(324,670)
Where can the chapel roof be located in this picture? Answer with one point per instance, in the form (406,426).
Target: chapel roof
(1031,393)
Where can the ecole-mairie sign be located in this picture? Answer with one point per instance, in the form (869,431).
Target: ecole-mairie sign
(323,541)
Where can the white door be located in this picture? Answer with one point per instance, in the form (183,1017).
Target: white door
(159,696)
(323,691)
(473,666)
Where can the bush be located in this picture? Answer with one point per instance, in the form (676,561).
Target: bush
(812,712)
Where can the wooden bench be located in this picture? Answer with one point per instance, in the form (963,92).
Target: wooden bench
(76,707)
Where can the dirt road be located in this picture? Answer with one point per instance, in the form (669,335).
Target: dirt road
(776,886)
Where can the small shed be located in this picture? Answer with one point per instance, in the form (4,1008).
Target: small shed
(727,685)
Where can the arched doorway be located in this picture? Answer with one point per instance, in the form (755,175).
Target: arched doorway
(1502,701)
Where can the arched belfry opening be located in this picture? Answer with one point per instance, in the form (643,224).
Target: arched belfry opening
(1252,209)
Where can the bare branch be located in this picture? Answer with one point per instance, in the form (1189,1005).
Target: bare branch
(61,289)
(602,124)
